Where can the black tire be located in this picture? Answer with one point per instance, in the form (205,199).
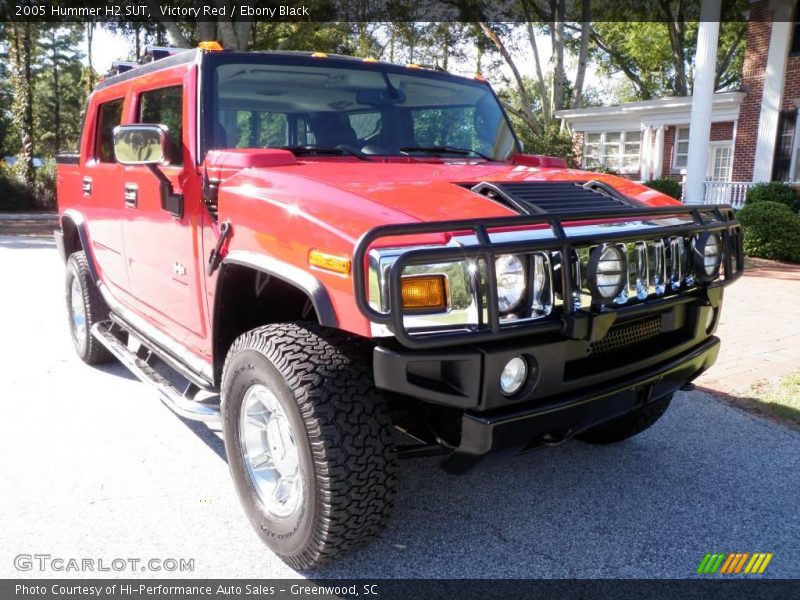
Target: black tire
(339,422)
(88,348)
(628,425)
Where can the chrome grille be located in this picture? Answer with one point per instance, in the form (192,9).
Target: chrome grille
(625,336)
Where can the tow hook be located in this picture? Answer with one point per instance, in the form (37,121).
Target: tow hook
(552,439)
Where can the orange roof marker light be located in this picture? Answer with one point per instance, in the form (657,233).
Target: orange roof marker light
(369,59)
(211,46)
(319,55)
(413,66)
(480,77)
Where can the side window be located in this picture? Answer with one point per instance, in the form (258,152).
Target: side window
(165,107)
(109,115)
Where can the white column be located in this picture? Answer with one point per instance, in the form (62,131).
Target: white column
(644,153)
(702,101)
(772,95)
(658,157)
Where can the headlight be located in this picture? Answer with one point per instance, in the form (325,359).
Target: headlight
(707,255)
(607,272)
(510,282)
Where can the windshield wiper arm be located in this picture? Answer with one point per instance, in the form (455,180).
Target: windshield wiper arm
(444,149)
(318,149)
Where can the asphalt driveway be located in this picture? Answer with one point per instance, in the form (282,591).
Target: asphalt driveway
(94,466)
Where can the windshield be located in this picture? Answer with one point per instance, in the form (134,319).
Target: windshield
(339,109)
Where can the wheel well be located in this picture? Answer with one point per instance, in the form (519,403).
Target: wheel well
(247,298)
(72,240)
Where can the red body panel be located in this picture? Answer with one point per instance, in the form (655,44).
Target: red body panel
(278,206)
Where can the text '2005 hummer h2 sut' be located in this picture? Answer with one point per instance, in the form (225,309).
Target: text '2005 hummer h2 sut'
(318,250)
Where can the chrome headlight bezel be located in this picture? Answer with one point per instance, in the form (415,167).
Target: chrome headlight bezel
(600,256)
(511,282)
(706,241)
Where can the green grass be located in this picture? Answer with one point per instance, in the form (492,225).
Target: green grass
(781,399)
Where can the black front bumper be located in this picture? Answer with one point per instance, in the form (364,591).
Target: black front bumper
(521,427)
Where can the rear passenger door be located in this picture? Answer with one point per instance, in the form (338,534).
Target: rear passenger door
(102,197)
(163,250)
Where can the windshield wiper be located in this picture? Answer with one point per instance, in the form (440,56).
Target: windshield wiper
(444,149)
(319,150)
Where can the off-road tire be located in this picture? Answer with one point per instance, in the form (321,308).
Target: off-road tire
(91,351)
(628,425)
(323,381)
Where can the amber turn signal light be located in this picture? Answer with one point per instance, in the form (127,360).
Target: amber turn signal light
(425,292)
(329,262)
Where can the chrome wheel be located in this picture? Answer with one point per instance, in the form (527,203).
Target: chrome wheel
(270,452)
(78,314)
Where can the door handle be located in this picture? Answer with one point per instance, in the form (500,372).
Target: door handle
(131,195)
(86,186)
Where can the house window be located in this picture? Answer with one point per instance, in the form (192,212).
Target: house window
(618,150)
(681,148)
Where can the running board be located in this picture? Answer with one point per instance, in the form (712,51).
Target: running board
(140,364)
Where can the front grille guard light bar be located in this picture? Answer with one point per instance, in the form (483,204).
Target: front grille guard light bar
(715,218)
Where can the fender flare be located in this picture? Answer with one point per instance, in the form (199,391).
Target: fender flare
(79,222)
(302,280)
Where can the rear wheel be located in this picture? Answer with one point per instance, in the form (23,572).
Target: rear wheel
(628,425)
(85,307)
(308,440)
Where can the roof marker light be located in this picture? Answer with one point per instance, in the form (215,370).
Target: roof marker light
(369,59)
(480,77)
(211,46)
(413,66)
(319,55)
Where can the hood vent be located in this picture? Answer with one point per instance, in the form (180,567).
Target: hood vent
(555,197)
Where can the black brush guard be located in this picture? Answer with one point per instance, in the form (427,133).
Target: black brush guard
(715,218)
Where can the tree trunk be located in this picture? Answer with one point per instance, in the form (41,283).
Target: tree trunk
(56,102)
(526,109)
(557,36)
(540,84)
(583,55)
(22,105)
(89,58)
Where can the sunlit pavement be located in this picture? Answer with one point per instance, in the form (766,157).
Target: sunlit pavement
(94,466)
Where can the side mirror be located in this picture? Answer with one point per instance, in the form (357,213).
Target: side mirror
(141,144)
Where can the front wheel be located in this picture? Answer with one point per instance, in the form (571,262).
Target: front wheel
(628,425)
(308,440)
(85,307)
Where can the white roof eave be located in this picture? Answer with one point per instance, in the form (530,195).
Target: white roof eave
(665,111)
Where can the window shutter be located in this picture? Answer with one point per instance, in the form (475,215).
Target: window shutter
(783,145)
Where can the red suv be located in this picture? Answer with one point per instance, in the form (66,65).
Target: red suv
(319,251)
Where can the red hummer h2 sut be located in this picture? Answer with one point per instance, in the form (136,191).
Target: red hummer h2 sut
(320,251)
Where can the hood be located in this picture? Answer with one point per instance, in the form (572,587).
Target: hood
(437,191)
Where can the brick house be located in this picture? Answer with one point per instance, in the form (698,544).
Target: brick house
(754,133)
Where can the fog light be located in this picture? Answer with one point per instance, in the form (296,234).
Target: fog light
(513,376)
(607,272)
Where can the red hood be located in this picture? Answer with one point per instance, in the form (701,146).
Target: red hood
(427,191)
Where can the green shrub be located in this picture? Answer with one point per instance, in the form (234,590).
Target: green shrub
(667,186)
(16,196)
(774,191)
(771,230)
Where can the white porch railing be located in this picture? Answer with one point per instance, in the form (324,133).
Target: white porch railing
(723,192)
(727,192)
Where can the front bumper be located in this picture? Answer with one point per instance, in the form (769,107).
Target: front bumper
(529,427)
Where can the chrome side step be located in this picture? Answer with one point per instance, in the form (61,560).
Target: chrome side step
(184,404)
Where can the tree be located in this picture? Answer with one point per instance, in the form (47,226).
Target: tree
(57,87)
(657,56)
(21,36)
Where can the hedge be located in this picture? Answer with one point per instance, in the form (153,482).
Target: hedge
(670,187)
(771,230)
(774,191)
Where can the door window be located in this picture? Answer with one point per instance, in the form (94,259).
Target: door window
(109,115)
(164,106)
